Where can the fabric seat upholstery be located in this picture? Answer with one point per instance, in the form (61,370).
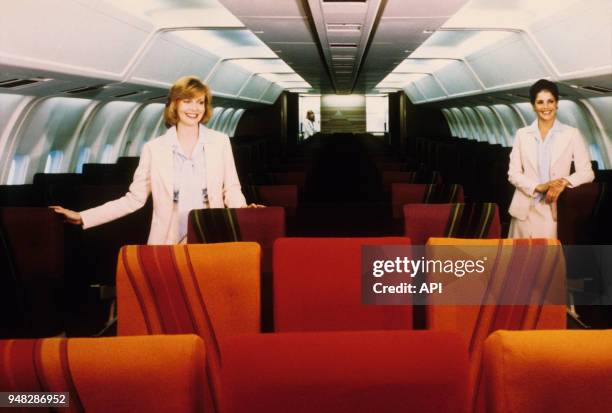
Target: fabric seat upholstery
(365,371)
(317,285)
(114,374)
(515,265)
(548,371)
(402,194)
(470,220)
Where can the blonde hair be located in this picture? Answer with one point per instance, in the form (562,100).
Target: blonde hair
(186,88)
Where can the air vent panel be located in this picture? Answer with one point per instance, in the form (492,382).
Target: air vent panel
(14,83)
(598,89)
(85,89)
(123,95)
(343,27)
(343,45)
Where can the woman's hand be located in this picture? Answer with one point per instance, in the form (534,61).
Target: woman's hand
(542,188)
(71,217)
(555,188)
(255,206)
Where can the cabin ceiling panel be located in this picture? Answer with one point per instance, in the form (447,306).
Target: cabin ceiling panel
(228,79)
(285,28)
(255,87)
(280,29)
(419,8)
(272,94)
(430,88)
(413,93)
(457,79)
(510,62)
(104,43)
(564,36)
(162,61)
(243,8)
(597,81)
(406,30)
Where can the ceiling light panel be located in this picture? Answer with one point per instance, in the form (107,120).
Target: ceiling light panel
(403,77)
(282,77)
(295,85)
(264,65)
(460,43)
(175,13)
(343,27)
(421,65)
(517,14)
(228,43)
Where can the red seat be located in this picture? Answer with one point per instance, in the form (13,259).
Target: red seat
(549,371)
(297,178)
(261,225)
(402,194)
(211,290)
(518,269)
(317,286)
(285,196)
(472,220)
(373,371)
(31,272)
(114,374)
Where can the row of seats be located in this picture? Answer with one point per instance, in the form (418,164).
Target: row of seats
(419,222)
(528,371)
(213,291)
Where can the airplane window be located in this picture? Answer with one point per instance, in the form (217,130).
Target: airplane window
(234,122)
(8,103)
(452,122)
(473,123)
(54,161)
(212,123)
(106,127)
(224,118)
(19,169)
(525,111)
(572,114)
(464,131)
(491,124)
(49,124)
(83,158)
(510,120)
(108,154)
(601,109)
(142,128)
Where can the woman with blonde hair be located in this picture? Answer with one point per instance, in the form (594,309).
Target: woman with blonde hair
(189,167)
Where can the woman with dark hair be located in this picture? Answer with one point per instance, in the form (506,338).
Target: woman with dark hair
(189,167)
(540,164)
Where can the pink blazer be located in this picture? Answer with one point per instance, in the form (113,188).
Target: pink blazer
(523,172)
(154,175)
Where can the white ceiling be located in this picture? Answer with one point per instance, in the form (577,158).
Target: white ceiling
(296,30)
(435,50)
